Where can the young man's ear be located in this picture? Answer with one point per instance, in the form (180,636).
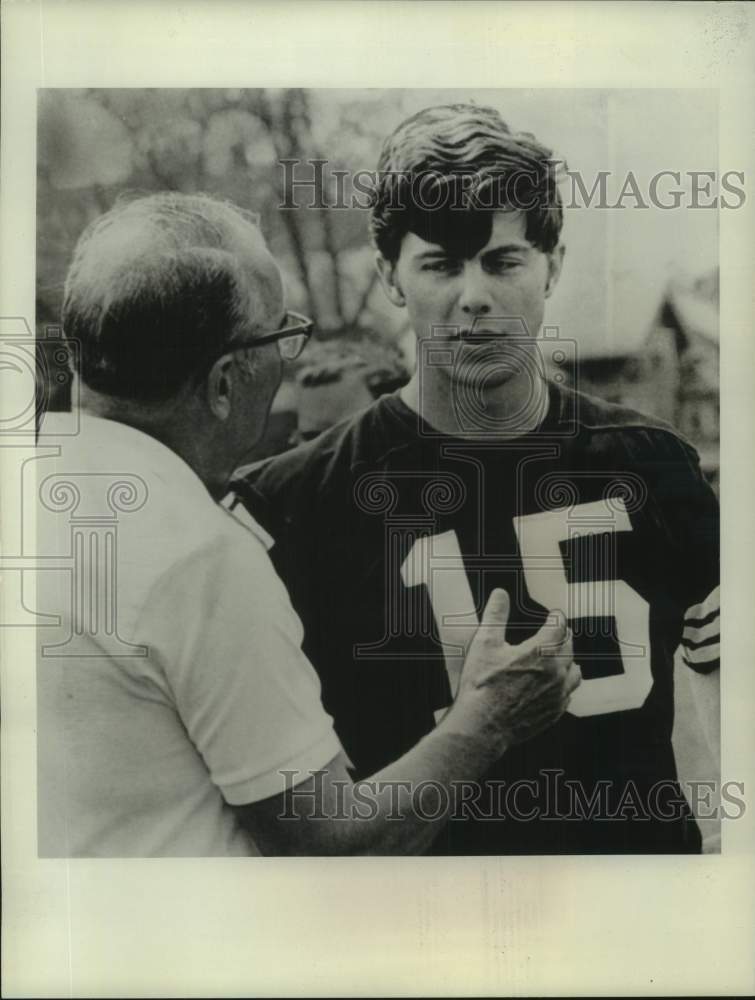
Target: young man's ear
(220,387)
(386,270)
(555,263)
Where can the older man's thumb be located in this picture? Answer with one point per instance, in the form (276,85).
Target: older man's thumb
(496,611)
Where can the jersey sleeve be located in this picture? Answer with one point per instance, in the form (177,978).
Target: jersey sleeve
(700,639)
(690,515)
(244,690)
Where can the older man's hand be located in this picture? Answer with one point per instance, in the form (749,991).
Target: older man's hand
(515,692)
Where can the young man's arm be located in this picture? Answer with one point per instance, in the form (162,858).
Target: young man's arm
(507,694)
(706,692)
(696,517)
(688,509)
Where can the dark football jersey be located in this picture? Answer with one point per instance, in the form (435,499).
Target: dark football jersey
(390,537)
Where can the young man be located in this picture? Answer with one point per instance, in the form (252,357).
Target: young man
(394,527)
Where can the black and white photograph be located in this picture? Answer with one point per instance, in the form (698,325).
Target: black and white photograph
(339,316)
(367,464)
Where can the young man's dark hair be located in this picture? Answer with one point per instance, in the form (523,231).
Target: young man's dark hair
(445,170)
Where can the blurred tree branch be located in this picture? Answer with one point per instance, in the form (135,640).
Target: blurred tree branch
(96,143)
(285,146)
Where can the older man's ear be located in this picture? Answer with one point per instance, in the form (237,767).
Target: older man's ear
(219,387)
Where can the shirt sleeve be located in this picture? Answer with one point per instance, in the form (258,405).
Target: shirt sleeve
(279,494)
(690,513)
(226,637)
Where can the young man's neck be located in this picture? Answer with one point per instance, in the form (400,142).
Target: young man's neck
(507,411)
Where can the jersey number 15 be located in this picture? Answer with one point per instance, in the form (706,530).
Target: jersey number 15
(436,561)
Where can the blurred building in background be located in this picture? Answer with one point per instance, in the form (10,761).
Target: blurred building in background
(332,380)
(670,370)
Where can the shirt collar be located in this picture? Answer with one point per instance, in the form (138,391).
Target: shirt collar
(111,444)
(162,462)
(233,503)
(126,445)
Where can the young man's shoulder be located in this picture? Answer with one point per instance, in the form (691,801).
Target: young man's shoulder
(619,428)
(612,435)
(353,443)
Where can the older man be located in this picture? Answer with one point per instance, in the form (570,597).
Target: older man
(177,713)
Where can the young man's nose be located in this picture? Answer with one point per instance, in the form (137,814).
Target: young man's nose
(475,295)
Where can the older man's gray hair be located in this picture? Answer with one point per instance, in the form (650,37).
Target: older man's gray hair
(156,290)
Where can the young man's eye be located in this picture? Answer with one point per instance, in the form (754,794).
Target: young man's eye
(443,265)
(504,264)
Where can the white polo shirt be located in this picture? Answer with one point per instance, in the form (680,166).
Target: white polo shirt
(174,684)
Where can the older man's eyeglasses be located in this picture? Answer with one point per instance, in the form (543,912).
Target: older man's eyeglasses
(291,338)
